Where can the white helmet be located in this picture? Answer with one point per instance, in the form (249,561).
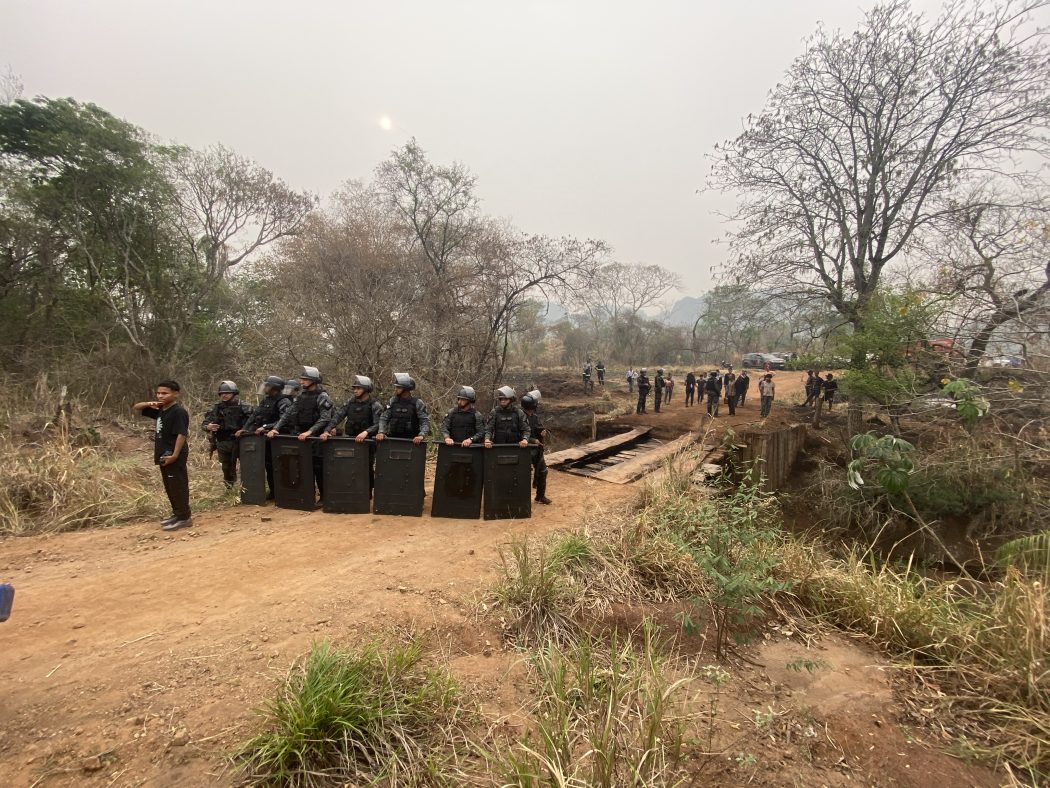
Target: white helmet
(360,381)
(404,380)
(506,392)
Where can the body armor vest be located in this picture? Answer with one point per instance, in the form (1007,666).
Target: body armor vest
(462,424)
(230,419)
(403,421)
(505,428)
(269,411)
(308,410)
(358,416)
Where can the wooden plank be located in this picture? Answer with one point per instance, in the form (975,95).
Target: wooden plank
(576,453)
(630,470)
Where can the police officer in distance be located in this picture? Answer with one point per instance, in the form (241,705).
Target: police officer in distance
(405,416)
(225,422)
(463,424)
(643,390)
(658,388)
(507,423)
(264,418)
(308,417)
(539,437)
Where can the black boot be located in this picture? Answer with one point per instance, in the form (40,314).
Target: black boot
(541,489)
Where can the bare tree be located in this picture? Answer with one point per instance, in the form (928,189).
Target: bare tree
(864,141)
(436,203)
(615,297)
(993,262)
(230,207)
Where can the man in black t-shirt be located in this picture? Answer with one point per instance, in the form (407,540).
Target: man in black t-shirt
(170,450)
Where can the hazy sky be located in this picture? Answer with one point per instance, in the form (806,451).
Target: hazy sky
(579,118)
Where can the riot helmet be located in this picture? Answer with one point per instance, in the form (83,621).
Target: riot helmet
(274,381)
(404,381)
(506,392)
(362,382)
(642,371)
(531,399)
(467,393)
(228,387)
(311,373)
(292,387)
(660,371)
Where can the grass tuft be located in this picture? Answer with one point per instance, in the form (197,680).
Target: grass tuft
(606,714)
(376,713)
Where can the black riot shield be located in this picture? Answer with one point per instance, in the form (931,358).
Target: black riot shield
(253,469)
(293,472)
(400,465)
(347,488)
(458,482)
(508,482)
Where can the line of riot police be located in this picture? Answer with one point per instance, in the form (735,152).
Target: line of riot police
(291,442)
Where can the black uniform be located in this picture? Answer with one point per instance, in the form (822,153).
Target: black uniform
(740,387)
(265,416)
(231,417)
(507,425)
(643,392)
(461,424)
(713,389)
(690,389)
(659,392)
(742,384)
(600,369)
(310,412)
(539,464)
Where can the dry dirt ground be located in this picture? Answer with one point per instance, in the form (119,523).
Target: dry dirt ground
(136,657)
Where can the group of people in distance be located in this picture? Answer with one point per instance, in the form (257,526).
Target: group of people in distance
(816,386)
(716,387)
(304,409)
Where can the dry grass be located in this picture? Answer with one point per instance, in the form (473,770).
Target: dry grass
(605,714)
(979,653)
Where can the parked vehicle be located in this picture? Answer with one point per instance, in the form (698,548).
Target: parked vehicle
(759,361)
(1002,361)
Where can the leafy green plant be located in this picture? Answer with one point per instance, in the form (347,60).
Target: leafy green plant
(1030,553)
(808,665)
(733,540)
(969,403)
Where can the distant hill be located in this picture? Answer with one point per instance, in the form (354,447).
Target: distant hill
(685,311)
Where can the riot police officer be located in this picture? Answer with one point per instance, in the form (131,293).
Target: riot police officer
(463,424)
(643,389)
(405,416)
(361,411)
(507,423)
(539,437)
(308,417)
(658,388)
(274,404)
(225,423)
